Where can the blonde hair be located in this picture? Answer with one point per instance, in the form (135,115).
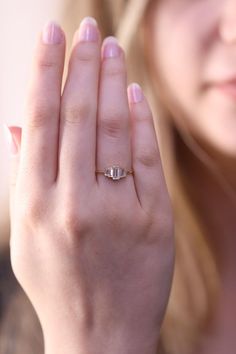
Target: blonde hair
(195,284)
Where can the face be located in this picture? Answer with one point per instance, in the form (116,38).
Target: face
(193,44)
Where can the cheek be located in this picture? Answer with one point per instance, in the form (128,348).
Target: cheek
(178,62)
(207,115)
(183,39)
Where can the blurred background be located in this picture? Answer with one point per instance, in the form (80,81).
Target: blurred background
(20,22)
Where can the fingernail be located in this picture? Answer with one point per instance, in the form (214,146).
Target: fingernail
(52,33)
(10,140)
(111,48)
(88,30)
(135,93)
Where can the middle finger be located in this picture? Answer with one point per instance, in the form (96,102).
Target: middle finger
(79,108)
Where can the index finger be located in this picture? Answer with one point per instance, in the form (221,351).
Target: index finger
(41,124)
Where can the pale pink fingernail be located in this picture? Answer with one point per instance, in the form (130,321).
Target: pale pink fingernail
(111,48)
(52,33)
(10,140)
(88,30)
(135,93)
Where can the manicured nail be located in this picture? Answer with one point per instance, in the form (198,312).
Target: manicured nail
(10,140)
(135,93)
(111,48)
(88,30)
(52,33)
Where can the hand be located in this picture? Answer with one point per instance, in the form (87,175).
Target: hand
(95,256)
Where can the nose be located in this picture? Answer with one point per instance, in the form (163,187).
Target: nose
(227,27)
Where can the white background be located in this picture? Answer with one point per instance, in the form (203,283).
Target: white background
(20,22)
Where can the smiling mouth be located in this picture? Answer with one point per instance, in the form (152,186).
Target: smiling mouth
(227,88)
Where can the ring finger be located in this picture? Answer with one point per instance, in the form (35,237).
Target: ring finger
(114,123)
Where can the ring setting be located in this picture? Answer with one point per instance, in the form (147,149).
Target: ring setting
(115,172)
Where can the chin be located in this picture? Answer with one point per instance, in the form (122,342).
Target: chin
(226,147)
(220,142)
(215,127)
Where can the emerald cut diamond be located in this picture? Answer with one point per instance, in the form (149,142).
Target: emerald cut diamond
(115,172)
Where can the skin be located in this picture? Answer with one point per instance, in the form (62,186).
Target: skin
(92,270)
(14,79)
(209,51)
(194,55)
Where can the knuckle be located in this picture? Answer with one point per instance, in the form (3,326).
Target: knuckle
(114,69)
(70,221)
(32,210)
(160,231)
(76,112)
(85,53)
(39,112)
(74,223)
(148,158)
(45,64)
(144,117)
(113,123)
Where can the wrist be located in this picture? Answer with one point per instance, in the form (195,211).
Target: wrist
(95,342)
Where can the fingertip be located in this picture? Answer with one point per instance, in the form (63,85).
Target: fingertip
(52,33)
(135,93)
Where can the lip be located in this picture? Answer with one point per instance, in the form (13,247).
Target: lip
(225,81)
(227,87)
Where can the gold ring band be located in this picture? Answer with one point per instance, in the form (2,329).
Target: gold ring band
(127,172)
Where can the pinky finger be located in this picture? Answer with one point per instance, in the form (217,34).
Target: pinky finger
(148,173)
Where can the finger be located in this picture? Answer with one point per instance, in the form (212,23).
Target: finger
(79,108)
(148,173)
(13,136)
(40,127)
(114,124)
